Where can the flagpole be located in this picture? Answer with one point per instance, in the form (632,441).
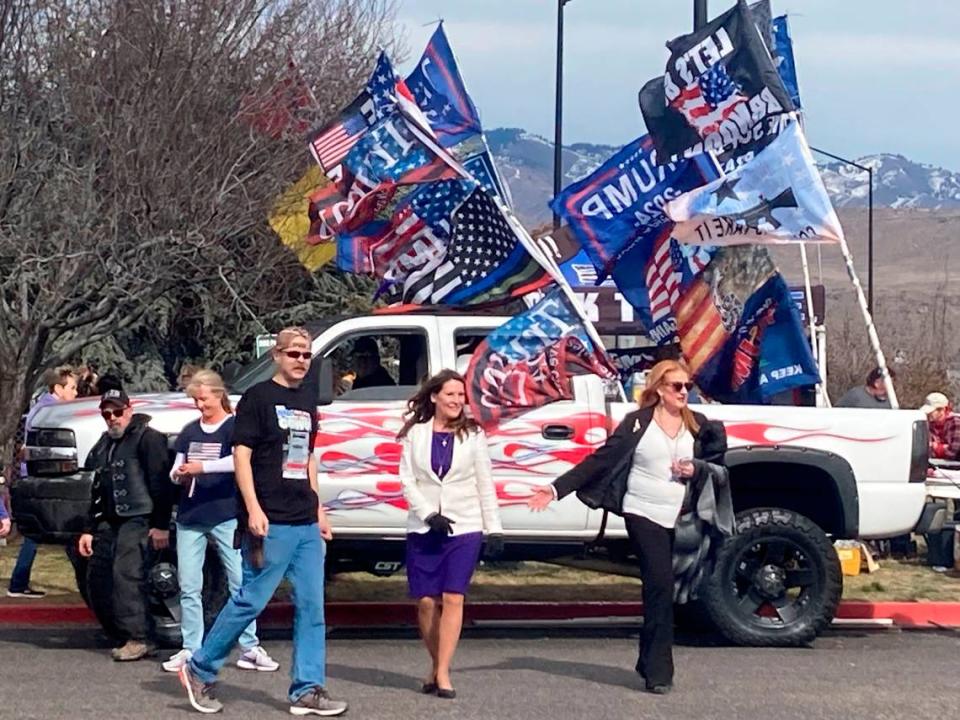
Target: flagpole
(868,320)
(508,197)
(528,242)
(823,397)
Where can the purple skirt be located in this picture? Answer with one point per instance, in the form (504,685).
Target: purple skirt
(441,563)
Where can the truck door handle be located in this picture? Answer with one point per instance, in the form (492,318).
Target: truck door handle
(557,432)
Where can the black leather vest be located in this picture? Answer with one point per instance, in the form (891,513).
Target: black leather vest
(120,487)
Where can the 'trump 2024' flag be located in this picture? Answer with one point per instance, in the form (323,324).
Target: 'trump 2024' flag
(777,197)
(620,204)
(528,361)
(719,85)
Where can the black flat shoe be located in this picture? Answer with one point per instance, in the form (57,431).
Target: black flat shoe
(428,688)
(446,693)
(661,689)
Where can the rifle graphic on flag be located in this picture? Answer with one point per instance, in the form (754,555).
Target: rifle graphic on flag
(777,197)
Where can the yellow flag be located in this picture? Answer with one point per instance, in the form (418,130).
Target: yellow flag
(290,221)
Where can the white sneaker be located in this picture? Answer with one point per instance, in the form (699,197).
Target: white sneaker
(257,659)
(177,661)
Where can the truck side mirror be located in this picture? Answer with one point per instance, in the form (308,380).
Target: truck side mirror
(325,382)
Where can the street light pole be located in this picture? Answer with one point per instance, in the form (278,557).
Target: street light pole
(699,14)
(869,172)
(870,240)
(558,119)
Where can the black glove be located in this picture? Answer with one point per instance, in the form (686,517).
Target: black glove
(440,524)
(493,548)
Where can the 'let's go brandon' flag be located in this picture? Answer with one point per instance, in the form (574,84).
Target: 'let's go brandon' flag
(720,93)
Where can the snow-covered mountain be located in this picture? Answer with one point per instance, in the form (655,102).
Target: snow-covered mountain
(897,182)
(526,160)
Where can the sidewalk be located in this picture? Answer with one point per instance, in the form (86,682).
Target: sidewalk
(907,615)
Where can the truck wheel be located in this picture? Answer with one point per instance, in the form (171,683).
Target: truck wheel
(776,583)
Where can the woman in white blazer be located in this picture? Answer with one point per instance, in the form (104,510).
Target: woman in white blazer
(448,485)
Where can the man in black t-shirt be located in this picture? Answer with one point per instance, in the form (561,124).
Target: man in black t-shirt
(276,473)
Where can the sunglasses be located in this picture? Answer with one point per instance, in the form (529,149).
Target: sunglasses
(297,355)
(115,413)
(678,386)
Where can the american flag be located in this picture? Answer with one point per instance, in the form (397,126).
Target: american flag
(664,273)
(382,87)
(201,451)
(484,260)
(710,100)
(332,144)
(390,92)
(419,233)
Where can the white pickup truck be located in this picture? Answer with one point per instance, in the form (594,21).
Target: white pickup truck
(800,476)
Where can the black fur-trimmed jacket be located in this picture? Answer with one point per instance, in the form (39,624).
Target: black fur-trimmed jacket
(600,480)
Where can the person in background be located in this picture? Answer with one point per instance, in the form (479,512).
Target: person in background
(207,510)
(872,394)
(87,379)
(365,361)
(107,382)
(61,385)
(448,485)
(187,371)
(641,473)
(130,506)
(285,532)
(944,427)
(4,515)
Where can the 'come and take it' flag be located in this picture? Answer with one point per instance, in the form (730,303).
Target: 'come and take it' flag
(777,197)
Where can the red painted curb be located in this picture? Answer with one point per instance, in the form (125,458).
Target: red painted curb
(369,614)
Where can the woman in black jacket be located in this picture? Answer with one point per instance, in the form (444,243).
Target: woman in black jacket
(642,473)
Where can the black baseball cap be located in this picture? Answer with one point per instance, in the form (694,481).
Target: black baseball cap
(114,398)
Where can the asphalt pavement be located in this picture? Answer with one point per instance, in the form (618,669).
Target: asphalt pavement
(55,673)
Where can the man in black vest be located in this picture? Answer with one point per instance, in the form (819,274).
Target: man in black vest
(130,506)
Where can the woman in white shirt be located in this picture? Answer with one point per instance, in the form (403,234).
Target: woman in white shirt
(448,485)
(642,473)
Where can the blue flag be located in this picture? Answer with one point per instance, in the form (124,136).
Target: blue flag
(766,353)
(620,204)
(481,167)
(782,52)
(776,197)
(438,88)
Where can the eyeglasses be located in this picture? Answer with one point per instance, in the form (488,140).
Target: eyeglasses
(115,413)
(297,355)
(678,386)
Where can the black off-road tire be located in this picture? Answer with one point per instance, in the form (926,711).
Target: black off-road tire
(777,582)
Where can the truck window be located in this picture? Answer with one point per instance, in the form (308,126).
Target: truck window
(466,342)
(379,366)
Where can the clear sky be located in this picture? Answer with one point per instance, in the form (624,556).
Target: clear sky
(875,75)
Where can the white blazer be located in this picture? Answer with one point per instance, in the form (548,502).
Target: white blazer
(466,494)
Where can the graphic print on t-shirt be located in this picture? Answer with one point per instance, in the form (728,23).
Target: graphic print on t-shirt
(202,451)
(296,450)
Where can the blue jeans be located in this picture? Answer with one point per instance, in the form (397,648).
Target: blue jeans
(20,578)
(297,553)
(191,551)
